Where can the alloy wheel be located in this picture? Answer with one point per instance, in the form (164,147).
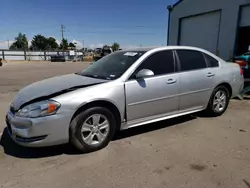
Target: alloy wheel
(220,100)
(95,129)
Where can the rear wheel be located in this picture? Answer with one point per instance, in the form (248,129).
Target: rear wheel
(219,101)
(92,129)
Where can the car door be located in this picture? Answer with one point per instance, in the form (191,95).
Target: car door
(196,80)
(156,95)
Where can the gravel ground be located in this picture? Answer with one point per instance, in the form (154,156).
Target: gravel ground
(192,151)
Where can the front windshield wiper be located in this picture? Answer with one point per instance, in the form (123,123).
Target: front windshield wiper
(93,76)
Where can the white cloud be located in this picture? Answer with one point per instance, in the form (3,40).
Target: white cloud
(29,43)
(77,43)
(93,46)
(5,44)
(129,46)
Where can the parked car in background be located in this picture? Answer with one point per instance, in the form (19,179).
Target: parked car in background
(104,51)
(57,58)
(243,60)
(125,89)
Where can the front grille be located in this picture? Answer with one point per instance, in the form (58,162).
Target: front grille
(31,139)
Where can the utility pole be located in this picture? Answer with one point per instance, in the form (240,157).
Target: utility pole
(62,30)
(75,51)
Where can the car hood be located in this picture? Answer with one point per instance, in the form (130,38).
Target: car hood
(52,87)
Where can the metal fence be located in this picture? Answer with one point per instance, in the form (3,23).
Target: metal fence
(34,55)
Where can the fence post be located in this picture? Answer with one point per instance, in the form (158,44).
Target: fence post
(45,57)
(25,55)
(3,54)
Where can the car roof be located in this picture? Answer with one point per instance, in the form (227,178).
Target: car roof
(155,49)
(146,49)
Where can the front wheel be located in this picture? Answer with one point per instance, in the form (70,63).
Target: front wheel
(219,101)
(92,129)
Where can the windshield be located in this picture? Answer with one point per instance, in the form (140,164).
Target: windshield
(113,65)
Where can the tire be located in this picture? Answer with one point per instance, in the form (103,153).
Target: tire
(212,108)
(1,64)
(81,132)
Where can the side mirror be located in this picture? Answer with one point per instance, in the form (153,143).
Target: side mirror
(144,73)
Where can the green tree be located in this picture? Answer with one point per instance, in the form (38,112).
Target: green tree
(40,42)
(72,45)
(115,46)
(52,43)
(64,44)
(21,43)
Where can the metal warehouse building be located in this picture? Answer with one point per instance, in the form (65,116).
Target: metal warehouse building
(222,26)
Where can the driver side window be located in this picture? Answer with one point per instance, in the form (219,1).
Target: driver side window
(160,63)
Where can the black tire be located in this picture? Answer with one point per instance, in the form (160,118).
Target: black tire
(1,64)
(76,125)
(211,111)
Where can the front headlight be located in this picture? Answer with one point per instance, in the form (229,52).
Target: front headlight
(39,109)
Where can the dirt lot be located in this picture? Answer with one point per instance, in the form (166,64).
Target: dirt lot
(192,151)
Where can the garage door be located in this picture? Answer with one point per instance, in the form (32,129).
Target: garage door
(245,16)
(201,31)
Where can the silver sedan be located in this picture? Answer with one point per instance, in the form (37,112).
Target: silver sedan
(125,89)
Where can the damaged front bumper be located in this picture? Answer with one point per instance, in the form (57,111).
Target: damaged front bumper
(38,132)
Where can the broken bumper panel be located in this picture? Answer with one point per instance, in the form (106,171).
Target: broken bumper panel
(38,132)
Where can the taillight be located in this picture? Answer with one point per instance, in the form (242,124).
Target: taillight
(242,63)
(241,71)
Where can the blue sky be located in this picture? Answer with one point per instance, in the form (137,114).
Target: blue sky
(96,22)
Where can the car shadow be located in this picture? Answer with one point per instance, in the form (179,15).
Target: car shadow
(15,150)
(246,97)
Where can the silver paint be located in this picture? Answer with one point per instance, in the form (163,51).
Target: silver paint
(139,101)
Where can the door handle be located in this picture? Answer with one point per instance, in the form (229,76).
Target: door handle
(171,81)
(210,74)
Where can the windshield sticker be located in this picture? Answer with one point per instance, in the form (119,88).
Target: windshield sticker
(131,54)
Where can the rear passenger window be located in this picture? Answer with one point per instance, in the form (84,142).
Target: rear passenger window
(191,60)
(160,63)
(211,61)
